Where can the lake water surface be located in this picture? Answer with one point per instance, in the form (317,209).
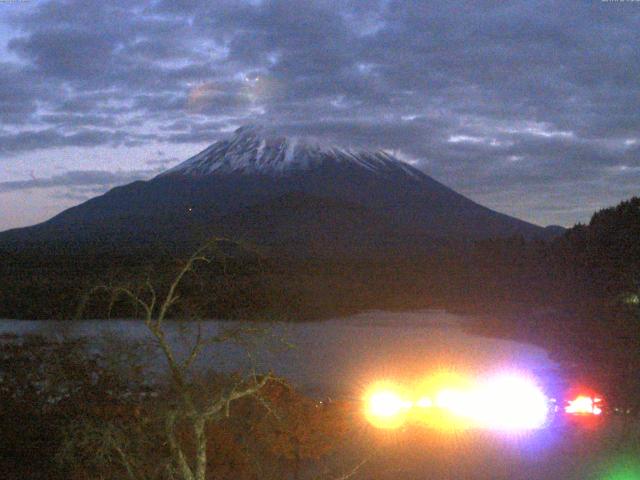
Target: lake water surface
(333,357)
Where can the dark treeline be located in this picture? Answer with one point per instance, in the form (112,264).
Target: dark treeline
(589,265)
(578,296)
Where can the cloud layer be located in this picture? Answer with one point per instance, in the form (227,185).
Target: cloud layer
(528,106)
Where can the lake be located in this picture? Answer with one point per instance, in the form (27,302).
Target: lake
(333,357)
(341,357)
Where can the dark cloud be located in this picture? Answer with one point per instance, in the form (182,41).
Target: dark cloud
(524,96)
(66,54)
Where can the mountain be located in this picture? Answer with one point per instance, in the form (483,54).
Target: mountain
(285,193)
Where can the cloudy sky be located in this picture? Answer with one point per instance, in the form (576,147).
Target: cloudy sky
(529,107)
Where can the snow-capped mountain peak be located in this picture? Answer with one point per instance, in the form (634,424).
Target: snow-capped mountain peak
(258,150)
(292,193)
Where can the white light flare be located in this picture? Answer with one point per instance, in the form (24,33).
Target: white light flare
(387,404)
(508,403)
(457,402)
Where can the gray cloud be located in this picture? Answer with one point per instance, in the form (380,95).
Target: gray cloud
(17,101)
(87,181)
(164,163)
(52,138)
(525,96)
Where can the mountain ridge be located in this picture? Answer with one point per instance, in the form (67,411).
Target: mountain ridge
(245,174)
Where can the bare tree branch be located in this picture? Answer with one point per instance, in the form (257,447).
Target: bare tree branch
(225,401)
(178,454)
(195,350)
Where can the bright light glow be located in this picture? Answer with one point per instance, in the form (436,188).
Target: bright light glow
(438,398)
(504,402)
(454,401)
(509,402)
(385,406)
(584,405)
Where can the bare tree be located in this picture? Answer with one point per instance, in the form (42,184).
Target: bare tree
(173,436)
(191,410)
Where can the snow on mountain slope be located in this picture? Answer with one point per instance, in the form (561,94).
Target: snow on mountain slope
(257,150)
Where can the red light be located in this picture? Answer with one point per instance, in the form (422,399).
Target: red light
(584,405)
